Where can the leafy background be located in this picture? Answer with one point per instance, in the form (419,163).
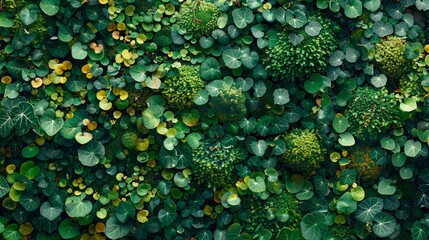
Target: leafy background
(245,119)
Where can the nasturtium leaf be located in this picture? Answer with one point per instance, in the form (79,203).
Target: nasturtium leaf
(387,143)
(336,58)
(91,153)
(257,185)
(314,225)
(77,207)
(6,123)
(115,229)
(408,105)
(50,123)
(406,172)
(5,21)
(27,16)
(4,187)
(231,57)
(281,96)
(206,42)
(382,29)
(412,148)
(295,184)
(313,28)
(150,121)
(348,176)
(260,88)
(372,5)
(314,84)
(340,124)
(379,81)
(296,18)
(419,231)
(242,17)
(346,139)
(295,39)
(259,147)
(124,211)
(210,69)
(180,180)
(79,51)
(289,234)
(50,212)
(353,8)
(68,229)
(70,128)
(412,51)
(193,139)
(249,60)
(30,203)
(24,118)
(50,7)
(30,151)
(385,224)
(138,73)
(368,208)
(202,97)
(422,5)
(398,159)
(306,193)
(385,187)
(346,204)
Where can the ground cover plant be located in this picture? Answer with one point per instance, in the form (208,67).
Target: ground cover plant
(214,119)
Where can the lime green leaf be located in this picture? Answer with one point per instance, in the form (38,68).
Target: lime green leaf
(346,139)
(138,73)
(50,7)
(5,21)
(408,105)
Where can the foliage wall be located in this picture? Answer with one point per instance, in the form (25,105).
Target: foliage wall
(222,119)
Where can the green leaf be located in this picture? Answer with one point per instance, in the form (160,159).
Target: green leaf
(24,118)
(346,139)
(242,17)
(296,19)
(379,81)
(68,229)
(206,42)
(281,96)
(27,16)
(50,123)
(150,121)
(259,147)
(5,21)
(346,204)
(372,5)
(385,224)
(295,39)
(202,97)
(29,202)
(387,143)
(295,184)
(408,105)
(313,226)
(289,234)
(77,207)
(50,7)
(124,211)
(382,29)
(231,57)
(70,128)
(50,212)
(138,73)
(30,151)
(193,139)
(166,217)
(210,69)
(348,176)
(422,5)
(4,187)
(6,123)
(340,124)
(385,187)
(368,208)
(115,229)
(91,153)
(313,28)
(419,231)
(257,185)
(79,51)
(353,9)
(412,148)
(314,84)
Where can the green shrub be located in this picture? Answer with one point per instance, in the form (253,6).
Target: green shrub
(371,113)
(13,5)
(411,86)
(181,89)
(390,55)
(229,105)
(198,17)
(267,214)
(304,152)
(284,60)
(214,164)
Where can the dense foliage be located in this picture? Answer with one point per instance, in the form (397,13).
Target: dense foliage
(214,119)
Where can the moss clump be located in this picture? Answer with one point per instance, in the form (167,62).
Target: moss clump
(286,61)
(198,17)
(411,86)
(390,55)
(214,164)
(341,232)
(181,89)
(38,27)
(304,152)
(362,162)
(229,105)
(268,214)
(371,113)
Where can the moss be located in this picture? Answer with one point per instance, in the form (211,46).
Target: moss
(390,55)
(229,105)
(286,61)
(214,164)
(362,162)
(341,232)
(38,27)
(13,5)
(262,214)
(371,113)
(198,17)
(304,152)
(181,89)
